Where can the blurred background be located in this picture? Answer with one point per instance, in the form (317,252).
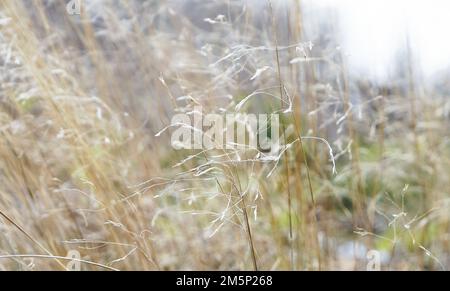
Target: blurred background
(86,103)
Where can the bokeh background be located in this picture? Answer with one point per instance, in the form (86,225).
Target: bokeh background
(86,166)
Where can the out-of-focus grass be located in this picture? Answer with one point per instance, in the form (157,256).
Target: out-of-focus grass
(82,98)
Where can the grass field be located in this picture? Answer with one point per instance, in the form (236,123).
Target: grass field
(87,171)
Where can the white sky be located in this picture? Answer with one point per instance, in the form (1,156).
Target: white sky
(372,30)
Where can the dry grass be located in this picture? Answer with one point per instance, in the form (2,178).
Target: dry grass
(82,166)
